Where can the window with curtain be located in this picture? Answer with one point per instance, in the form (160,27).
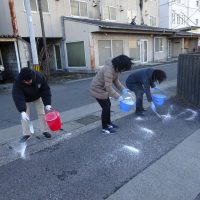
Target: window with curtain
(76,54)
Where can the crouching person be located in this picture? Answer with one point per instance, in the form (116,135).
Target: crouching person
(32,87)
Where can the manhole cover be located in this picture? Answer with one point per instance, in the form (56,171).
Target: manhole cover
(88,119)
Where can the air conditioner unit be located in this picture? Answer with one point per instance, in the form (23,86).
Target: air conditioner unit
(94,3)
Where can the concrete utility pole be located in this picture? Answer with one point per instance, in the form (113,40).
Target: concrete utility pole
(46,70)
(32,35)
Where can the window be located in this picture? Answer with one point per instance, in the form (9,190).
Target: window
(152,21)
(76,54)
(79,8)
(109,13)
(131,14)
(158,44)
(44,5)
(178,19)
(109,48)
(173,18)
(34,5)
(134,48)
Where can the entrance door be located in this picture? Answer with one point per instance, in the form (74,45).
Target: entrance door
(169,49)
(144,51)
(57,56)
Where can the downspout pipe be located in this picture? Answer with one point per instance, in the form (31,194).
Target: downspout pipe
(63,48)
(13,18)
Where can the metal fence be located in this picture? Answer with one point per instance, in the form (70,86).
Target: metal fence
(188,78)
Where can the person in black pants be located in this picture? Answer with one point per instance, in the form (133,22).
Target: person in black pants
(140,82)
(101,88)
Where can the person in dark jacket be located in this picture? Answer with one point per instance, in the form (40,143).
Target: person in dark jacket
(140,82)
(31,86)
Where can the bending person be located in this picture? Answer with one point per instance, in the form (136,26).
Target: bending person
(101,88)
(140,82)
(31,87)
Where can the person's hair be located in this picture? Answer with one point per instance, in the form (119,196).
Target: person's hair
(159,76)
(122,63)
(26,74)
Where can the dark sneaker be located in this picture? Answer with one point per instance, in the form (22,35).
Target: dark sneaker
(111,125)
(108,131)
(24,138)
(139,113)
(47,135)
(143,110)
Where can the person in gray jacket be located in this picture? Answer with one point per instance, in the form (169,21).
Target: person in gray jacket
(101,88)
(140,82)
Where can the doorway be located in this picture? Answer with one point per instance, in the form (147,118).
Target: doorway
(144,51)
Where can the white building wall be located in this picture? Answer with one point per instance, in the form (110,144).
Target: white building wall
(181,13)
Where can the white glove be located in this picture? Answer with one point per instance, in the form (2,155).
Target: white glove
(48,107)
(120,98)
(24,116)
(153,107)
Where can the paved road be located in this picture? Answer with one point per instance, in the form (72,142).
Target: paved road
(66,96)
(93,166)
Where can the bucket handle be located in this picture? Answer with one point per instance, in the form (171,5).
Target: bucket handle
(52,109)
(158,89)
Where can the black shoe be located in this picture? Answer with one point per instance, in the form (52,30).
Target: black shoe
(108,131)
(111,125)
(139,113)
(47,135)
(143,110)
(24,138)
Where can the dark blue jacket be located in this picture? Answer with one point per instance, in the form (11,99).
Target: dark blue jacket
(142,77)
(23,93)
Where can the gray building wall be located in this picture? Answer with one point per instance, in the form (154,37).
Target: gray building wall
(5,19)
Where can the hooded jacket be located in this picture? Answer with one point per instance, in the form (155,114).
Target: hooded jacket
(102,84)
(142,77)
(23,93)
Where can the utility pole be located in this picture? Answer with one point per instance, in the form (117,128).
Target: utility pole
(32,36)
(46,70)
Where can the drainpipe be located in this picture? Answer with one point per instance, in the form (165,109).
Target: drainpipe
(13,18)
(63,51)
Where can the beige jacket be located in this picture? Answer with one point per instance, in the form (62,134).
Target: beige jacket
(102,84)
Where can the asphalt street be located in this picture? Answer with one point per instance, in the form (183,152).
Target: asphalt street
(94,166)
(65,96)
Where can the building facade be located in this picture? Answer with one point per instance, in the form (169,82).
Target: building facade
(81,34)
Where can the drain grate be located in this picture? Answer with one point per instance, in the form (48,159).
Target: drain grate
(88,119)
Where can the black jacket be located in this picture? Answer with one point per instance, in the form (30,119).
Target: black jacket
(142,77)
(23,93)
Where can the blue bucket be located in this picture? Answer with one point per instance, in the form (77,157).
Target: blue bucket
(126,105)
(159,99)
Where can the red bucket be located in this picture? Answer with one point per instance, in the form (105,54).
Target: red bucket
(53,120)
